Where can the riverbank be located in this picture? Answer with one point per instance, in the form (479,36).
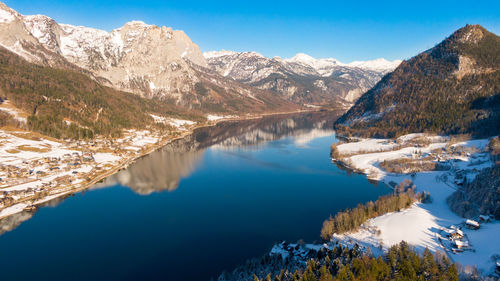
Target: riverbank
(438,165)
(36,169)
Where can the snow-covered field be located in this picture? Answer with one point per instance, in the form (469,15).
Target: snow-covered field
(15,112)
(212,117)
(421,224)
(177,123)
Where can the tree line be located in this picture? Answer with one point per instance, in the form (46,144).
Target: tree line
(401,262)
(351,219)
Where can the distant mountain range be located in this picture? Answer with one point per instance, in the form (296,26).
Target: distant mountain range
(147,60)
(451,88)
(161,63)
(302,79)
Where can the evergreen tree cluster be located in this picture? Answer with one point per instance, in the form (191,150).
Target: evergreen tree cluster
(401,262)
(352,219)
(480,196)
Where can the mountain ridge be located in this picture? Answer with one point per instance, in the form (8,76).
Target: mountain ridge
(452,88)
(150,61)
(301,79)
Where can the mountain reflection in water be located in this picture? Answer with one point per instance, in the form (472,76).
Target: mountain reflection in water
(239,188)
(162,170)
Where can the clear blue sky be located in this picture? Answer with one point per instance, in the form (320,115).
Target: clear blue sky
(341,29)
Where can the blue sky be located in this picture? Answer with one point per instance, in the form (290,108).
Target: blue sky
(341,29)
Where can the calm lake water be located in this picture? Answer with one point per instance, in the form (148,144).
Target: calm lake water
(193,209)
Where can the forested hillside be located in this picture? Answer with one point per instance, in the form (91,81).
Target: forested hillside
(68,104)
(452,88)
(480,196)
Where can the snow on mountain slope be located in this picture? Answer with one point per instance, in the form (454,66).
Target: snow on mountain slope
(378,64)
(141,58)
(301,78)
(163,63)
(324,67)
(15,37)
(151,61)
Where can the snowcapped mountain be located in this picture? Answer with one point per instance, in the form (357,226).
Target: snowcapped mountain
(151,61)
(141,58)
(159,62)
(302,78)
(377,65)
(323,67)
(15,36)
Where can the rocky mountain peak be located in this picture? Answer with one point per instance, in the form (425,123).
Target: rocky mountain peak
(45,29)
(7,14)
(217,54)
(379,64)
(322,66)
(137,57)
(470,34)
(302,78)
(137,24)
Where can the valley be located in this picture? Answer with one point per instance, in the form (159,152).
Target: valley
(130,152)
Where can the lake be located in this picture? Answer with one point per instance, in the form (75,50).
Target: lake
(198,206)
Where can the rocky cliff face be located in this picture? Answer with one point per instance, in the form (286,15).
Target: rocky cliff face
(158,62)
(302,79)
(151,61)
(16,37)
(144,59)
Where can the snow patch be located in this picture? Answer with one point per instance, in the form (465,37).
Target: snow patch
(6,16)
(211,117)
(422,224)
(380,64)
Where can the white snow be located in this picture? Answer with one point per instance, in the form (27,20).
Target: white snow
(211,117)
(421,224)
(177,123)
(367,145)
(379,64)
(326,66)
(105,158)
(12,210)
(216,54)
(6,16)
(15,112)
(322,66)
(117,40)
(412,225)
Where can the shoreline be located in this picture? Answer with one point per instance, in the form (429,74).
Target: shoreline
(423,225)
(125,162)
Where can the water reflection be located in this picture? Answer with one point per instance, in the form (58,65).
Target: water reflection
(12,222)
(159,171)
(164,169)
(253,133)
(232,202)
